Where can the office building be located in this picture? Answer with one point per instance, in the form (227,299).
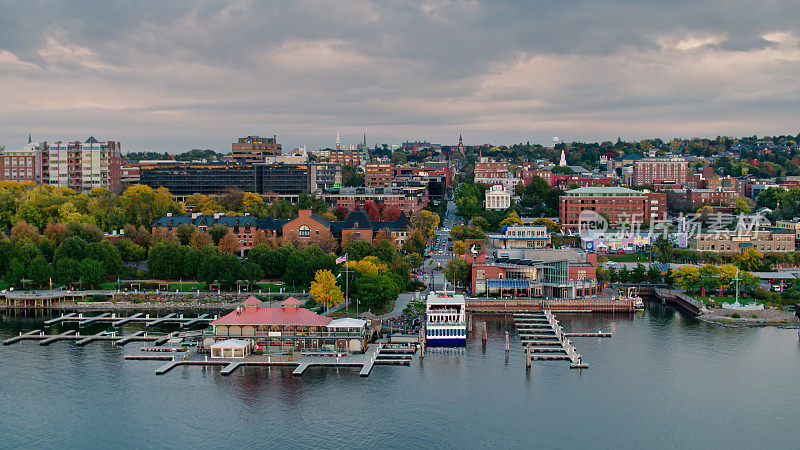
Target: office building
(255,149)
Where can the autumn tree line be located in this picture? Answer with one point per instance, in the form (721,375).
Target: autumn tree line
(56,237)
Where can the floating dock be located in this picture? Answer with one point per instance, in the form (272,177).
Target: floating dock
(117,321)
(545,339)
(73,335)
(364,361)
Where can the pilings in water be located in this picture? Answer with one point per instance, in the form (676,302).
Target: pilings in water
(484,337)
(506,341)
(528,356)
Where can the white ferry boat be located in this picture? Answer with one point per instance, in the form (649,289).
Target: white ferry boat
(445,323)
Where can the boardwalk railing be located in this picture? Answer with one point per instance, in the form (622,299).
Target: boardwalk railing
(596,305)
(681,299)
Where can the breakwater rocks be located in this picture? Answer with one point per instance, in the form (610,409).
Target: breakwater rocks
(763,318)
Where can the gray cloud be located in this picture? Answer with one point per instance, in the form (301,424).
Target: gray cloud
(176,75)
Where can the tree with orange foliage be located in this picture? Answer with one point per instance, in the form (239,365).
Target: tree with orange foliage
(200,239)
(24,231)
(230,245)
(56,232)
(382,234)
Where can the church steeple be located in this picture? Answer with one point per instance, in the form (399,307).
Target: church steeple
(29,136)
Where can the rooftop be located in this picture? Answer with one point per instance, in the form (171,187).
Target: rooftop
(612,190)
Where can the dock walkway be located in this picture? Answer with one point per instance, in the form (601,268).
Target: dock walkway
(364,361)
(545,339)
(117,321)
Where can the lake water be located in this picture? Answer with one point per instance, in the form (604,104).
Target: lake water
(663,381)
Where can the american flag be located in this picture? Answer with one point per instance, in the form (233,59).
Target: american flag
(341,259)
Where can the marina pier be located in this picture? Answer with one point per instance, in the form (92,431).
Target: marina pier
(117,321)
(364,361)
(545,339)
(73,335)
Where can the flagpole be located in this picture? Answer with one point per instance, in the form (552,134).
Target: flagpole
(346,284)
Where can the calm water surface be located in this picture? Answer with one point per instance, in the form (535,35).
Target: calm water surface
(662,381)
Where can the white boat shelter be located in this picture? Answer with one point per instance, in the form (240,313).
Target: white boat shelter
(231,348)
(347,324)
(355,328)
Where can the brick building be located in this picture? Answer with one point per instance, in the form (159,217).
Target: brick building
(711,197)
(616,203)
(378,174)
(495,172)
(20,165)
(303,230)
(659,170)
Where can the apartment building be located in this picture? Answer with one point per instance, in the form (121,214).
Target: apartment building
(660,170)
(20,165)
(378,174)
(81,166)
(615,203)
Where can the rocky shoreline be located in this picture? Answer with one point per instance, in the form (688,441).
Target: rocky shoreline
(766,318)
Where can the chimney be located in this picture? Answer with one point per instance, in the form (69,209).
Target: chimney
(216,215)
(169,214)
(195,215)
(591,258)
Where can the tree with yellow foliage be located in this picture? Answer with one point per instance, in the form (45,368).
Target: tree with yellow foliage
(325,291)
(511,219)
(370,264)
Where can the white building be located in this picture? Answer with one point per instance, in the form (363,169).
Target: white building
(497,197)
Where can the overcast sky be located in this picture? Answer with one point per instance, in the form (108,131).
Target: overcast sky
(173,75)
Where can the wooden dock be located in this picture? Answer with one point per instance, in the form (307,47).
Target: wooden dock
(74,335)
(545,339)
(56,337)
(125,320)
(365,361)
(22,336)
(117,321)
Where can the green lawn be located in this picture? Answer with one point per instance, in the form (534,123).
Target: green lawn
(628,257)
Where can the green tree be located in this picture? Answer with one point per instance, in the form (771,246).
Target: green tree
(39,271)
(639,274)
(217,232)
(386,251)
(91,271)
(358,250)
(653,275)
(253,273)
(184,233)
(741,206)
(663,250)
(72,247)
(164,259)
(66,270)
(457,272)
